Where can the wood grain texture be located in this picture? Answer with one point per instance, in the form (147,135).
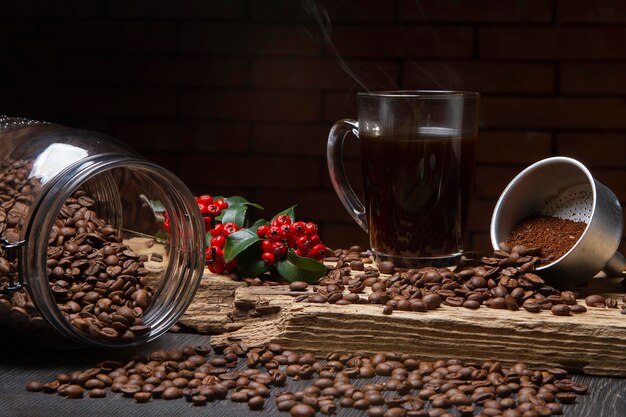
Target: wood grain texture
(593,342)
(21,363)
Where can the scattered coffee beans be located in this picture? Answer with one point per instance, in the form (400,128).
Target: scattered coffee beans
(403,384)
(553,235)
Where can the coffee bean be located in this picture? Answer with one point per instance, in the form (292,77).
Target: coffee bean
(172,393)
(97,393)
(561,310)
(386,267)
(531,306)
(302,410)
(298,286)
(594,300)
(74,391)
(471,304)
(357,265)
(578,308)
(34,386)
(256,403)
(387,310)
(432,301)
(142,397)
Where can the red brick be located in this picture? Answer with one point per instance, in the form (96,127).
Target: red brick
(179,136)
(485,77)
(324,73)
(312,205)
(597,11)
(178,9)
(491,181)
(35,8)
(339,106)
(116,102)
(178,71)
(550,43)
(343,235)
(554,113)
(247,171)
(118,36)
(250,105)
(401,41)
(595,149)
(335,11)
(296,139)
(593,78)
(249,39)
(502,147)
(476,10)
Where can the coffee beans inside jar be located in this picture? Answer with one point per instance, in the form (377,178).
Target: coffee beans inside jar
(383,384)
(97,281)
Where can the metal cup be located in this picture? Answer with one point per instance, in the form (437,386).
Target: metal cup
(563,187)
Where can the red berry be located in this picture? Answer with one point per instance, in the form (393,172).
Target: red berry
(221,204)
(218,241)
(203,208)
(300,253)
(318,251)
(285,231)
(298,227)
(213,210)
(310,228)
(262,231)
(231,266)
(205,199)
(229,228)
(266,245)
(217,230)
(268,258)
(304,244)
(274,233)
(279,250)
(315,240)
(282,219)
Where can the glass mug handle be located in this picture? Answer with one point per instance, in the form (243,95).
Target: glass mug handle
(334,157)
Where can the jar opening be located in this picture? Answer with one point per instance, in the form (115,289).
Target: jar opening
(121,259)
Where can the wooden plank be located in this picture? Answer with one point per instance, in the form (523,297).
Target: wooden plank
(593,342)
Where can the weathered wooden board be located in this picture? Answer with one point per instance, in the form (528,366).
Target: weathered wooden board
(593,342)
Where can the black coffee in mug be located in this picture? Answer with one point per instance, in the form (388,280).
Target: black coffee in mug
(417,158)
(417,192)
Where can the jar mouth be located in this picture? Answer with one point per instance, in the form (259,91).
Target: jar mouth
(182,248)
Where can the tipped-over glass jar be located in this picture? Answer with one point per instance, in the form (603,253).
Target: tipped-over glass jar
(98,246)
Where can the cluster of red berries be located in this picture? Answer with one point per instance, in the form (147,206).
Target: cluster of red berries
(215,251)
(282,235)
(209,209)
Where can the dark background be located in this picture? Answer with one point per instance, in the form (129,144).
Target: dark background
(237,96)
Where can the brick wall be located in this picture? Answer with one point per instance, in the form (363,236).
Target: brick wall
(237,96)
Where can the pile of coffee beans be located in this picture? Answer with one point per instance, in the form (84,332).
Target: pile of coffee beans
(97,281)
(382,385)
(506,280)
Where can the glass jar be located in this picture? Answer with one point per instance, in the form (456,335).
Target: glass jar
(98,246)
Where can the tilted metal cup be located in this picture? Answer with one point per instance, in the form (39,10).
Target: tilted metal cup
(564,187)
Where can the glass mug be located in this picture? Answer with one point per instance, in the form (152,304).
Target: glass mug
(417,160)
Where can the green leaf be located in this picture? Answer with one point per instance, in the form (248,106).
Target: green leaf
(298,268)
(289,212)
(237,201)
(236,214)
(238,242)
(249,262)
(218,197)
(208,238)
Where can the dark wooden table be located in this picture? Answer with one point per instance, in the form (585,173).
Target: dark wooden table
(20,363)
